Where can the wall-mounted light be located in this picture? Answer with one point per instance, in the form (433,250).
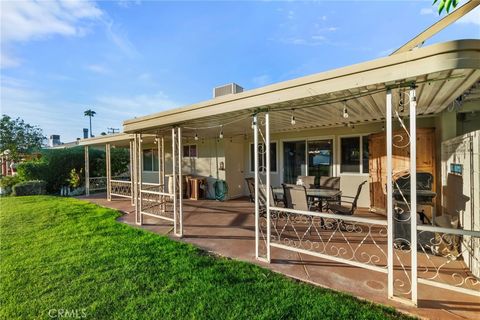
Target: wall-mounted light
(292,118)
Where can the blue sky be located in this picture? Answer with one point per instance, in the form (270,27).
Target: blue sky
(130,58)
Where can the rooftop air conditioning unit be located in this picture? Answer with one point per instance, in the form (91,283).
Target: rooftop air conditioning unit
(230,88)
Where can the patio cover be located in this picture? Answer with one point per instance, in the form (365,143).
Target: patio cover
(440,72)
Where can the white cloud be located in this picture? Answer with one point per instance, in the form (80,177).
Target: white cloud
(473,17)
(23,21)
(262,80)
(98,68)
(26,20)
(426,11)
(20,99)
(7,61)
(290,15)
(128,107)
(385,52)
(314,40)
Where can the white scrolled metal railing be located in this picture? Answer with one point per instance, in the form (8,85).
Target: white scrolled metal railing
(121,188)
(97,183)
(449,259)
(154,201)
(356,241)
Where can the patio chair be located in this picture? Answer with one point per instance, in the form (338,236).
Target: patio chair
(339,208)
(251,188)
(308,181)
(296,198)
(330,182)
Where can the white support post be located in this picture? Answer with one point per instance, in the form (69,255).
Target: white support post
(87,172)
(174,184)
(162,175)
(132,179)
(159,150)
(257,204)
(180,182)
(267,174)
(389,194)
(140,176)
(413,191)
(135,177)
(109,171)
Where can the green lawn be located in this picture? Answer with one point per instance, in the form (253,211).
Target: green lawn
(65,254)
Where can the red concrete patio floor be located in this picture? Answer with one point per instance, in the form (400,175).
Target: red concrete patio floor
(227,229)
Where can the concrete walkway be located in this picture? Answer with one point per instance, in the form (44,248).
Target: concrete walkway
(227,229)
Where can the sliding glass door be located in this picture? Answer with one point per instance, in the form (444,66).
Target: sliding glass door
(313,158)
(320,158)
(293,160)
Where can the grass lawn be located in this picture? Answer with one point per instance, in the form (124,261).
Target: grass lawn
(65,254)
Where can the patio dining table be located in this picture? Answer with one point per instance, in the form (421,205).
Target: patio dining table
(314,193)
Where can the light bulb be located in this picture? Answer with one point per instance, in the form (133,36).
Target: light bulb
(196,137)
(221,134)
(292,121)
(345,113)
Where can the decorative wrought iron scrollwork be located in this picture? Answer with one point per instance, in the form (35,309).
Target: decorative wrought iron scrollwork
(358,242)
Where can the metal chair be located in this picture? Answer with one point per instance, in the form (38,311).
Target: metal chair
(296,198)
(251,188)
(338,208)
(329,182)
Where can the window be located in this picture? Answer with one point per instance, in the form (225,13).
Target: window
(354,153)
(190,151)
(150,160)
(262,160)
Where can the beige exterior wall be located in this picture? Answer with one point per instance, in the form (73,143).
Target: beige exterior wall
(211,152)
(349,181)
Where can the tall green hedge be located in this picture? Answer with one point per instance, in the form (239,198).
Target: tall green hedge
(55,165)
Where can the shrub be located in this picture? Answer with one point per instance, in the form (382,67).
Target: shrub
(62,167)
(29,188)
(7,183)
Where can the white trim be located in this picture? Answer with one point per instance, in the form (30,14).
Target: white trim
(339,150)
(441,285)
(250,144)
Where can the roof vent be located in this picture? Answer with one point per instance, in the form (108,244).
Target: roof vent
(230,88)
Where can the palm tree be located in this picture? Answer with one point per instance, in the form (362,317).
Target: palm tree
(90,113)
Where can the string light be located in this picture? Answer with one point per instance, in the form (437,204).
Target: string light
(292,119)
(345,111)
(221,134)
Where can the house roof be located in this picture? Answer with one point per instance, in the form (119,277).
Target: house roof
(441,73)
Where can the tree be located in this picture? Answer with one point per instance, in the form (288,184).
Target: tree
(19,137)
(90,113)
(445,5)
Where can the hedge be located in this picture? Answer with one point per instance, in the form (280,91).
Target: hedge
(55,165)
(7,183)
(29,188)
